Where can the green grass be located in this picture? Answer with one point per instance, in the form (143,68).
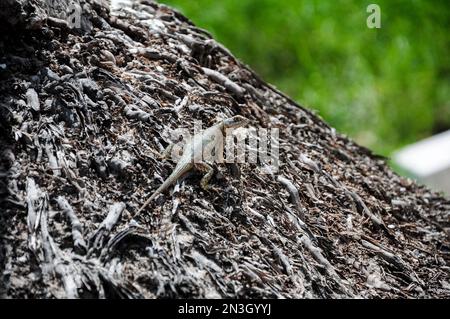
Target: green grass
(383,87)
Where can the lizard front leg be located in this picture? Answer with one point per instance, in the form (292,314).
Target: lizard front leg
(205,167)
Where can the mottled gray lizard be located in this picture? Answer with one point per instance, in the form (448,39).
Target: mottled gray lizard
(194,152)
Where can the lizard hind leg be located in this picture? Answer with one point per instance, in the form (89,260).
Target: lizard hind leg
(205,167)
(167,151)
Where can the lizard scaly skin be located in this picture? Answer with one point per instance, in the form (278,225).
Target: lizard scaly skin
(193,152)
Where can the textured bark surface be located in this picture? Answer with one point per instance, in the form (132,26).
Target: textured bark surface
(84,113)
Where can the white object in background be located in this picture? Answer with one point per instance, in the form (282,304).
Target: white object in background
(117,4)
(428,161)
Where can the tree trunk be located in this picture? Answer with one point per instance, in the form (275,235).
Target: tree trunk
(87,101)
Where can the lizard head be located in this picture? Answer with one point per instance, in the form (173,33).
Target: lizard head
(235,121)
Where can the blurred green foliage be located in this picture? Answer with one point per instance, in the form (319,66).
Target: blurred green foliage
(384,87)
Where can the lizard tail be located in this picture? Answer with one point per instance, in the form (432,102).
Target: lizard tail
(155,193)
(145,204)
(169,181)
(149,200)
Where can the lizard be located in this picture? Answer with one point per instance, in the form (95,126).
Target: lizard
(193,153)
